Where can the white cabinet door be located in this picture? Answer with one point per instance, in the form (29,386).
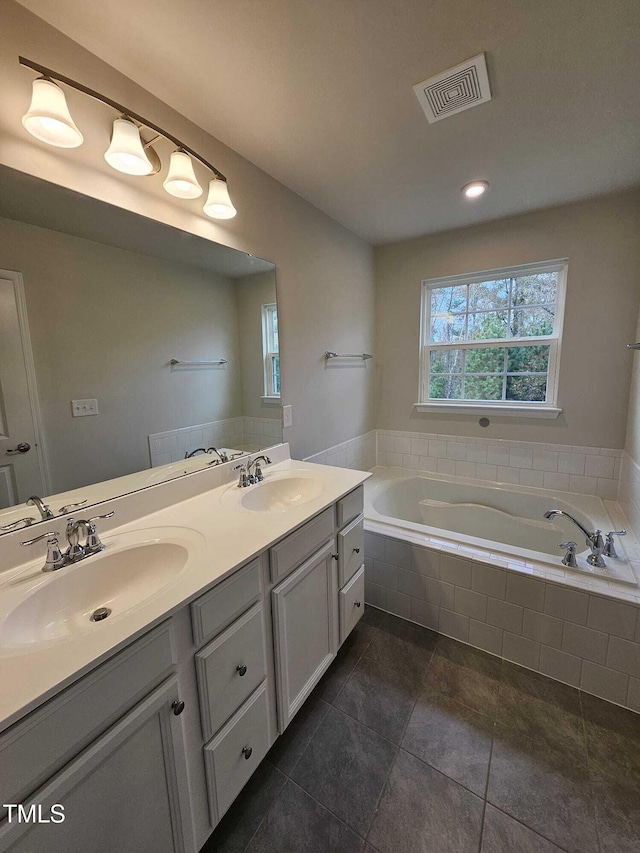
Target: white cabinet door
(305,607)
(128,791)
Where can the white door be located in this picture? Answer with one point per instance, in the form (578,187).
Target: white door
(20,464)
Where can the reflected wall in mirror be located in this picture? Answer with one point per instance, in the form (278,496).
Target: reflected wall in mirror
(125,346)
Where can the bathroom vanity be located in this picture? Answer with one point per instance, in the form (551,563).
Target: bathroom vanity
(145,726)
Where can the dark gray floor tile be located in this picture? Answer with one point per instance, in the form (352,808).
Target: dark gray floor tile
(379,697)
(345,767)
(372,615)
(348,656)
(237,827)
(287,750)
(503,834)
(451,737)
(466,674)
(617,803)
(421,811)
(543,788)
(613,736)
(298,824)
(542,709)
(402,645)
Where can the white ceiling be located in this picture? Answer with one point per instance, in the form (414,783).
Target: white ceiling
(319,94)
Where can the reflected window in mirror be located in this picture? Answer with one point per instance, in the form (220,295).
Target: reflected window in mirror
(271,350)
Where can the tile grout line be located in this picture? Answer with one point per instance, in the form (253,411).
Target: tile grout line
(591,789)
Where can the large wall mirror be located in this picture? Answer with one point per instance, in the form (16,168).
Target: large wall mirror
(127,348)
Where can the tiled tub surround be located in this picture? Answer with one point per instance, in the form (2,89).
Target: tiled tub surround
(561,467)
(359,452)
(629,493)
(171,446)
(574,635)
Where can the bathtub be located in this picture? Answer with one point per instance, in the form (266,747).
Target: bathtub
(488,521)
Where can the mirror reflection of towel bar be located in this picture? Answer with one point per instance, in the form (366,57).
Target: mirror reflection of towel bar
(633,346)
(363,355)
(175,361)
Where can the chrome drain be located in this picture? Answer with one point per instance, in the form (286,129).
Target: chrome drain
(100,614)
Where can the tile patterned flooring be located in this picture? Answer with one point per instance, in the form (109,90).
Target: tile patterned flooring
(414,743)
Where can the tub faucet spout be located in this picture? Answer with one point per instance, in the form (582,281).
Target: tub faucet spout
(594,538)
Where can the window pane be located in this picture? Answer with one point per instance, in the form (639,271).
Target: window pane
(484,327)
(448,299)
(445,387)
(535,289)
(532,322)
(489,360)
(447,330)
(446,361)
(530,389)
(275,364)
(527,359)
(274,331)
(483,387)
(489,295)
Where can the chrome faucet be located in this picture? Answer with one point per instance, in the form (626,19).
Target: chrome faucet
(43,509)
(246,477)
(222,456)
(188,455)
(75,552)
(594,538)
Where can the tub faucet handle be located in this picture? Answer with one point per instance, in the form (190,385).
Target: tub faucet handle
(610,546)
(569,558)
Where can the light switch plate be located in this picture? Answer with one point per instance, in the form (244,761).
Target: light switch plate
(84,408)
(287,416)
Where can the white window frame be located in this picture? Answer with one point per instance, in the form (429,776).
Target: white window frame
(547,409)
(269,355)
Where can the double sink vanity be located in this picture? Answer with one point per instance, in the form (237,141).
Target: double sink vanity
(225,607)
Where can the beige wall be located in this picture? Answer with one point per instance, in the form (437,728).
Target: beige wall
(325,276)
(601,238)
(252,292)
(104,323)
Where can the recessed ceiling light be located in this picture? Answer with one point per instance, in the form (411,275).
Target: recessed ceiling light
(475,189)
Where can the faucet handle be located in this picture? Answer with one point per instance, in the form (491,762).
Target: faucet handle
(21,522)
(569,558)
(55,558)
(68,507)
(610,548)
(93,543)
(98,517)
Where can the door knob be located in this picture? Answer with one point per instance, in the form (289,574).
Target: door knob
(23,447)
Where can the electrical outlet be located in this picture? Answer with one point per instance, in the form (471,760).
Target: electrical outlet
(84,408)
(287,416)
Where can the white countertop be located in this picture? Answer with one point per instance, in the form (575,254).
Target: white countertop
(226,536)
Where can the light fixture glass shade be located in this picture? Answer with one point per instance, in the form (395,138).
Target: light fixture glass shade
(48,117)
(218,204)
(475,189)
(181,180)
(126,153)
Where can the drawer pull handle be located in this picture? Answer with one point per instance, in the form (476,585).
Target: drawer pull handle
(178,707)
(241,670)
(357,604)
(356,550)
(335,556)
(247,751)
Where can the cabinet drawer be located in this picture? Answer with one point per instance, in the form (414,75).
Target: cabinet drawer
(293,550)
(32,750)
(221,684)
(235,753)
(350,550)
(350,506)
(351,604)
(218,608)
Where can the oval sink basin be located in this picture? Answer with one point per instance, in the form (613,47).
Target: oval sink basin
(59,605)
(279,495)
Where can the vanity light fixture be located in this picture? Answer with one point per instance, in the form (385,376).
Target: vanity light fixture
(48,117)
(475,189)
(125,153)
(49,120)
(181,180)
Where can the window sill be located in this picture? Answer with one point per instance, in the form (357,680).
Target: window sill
(272,400)
(508,411)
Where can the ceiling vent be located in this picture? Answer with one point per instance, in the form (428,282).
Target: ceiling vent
(457,89)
